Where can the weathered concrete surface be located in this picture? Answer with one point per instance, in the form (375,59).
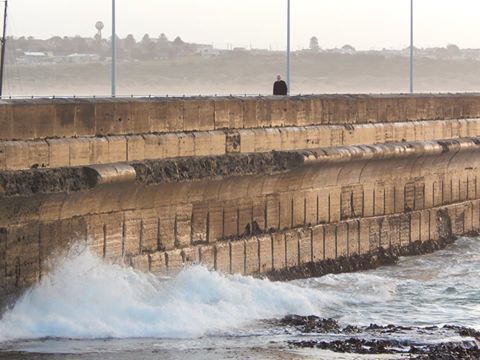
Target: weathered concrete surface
(279,187)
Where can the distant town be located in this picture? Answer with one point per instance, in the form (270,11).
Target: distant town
(76,49)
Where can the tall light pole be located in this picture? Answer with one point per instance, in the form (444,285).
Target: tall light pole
(114,50)
(411,47)
(288,46)
(4,45)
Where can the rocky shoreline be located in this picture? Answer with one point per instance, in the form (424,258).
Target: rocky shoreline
(421,343)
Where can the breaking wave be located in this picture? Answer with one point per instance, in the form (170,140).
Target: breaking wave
(86,297)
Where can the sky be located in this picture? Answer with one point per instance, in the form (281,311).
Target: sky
(365,24)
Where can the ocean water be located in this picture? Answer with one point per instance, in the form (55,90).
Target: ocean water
(90,309)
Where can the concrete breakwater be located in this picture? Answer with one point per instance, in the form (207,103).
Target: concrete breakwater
(242,185)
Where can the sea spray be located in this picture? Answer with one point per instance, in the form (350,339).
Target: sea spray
(86,297)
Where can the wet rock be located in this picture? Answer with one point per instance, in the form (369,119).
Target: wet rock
(372,260)
(389,339)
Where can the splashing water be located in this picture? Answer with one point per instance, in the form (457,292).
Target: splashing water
(85,297)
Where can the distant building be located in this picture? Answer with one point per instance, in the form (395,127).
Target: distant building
(34,57)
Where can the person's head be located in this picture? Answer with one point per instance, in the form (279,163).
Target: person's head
(279,78)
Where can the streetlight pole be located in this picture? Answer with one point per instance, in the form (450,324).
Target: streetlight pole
(288,46)
(4,45)
(114,49)
(411,47)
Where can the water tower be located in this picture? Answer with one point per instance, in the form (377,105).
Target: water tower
(99,26)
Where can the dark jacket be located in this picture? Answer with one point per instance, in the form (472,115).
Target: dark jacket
(280,88)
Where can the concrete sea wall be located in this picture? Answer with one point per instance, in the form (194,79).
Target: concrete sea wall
(243,185)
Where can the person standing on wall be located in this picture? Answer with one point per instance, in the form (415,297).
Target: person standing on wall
(280,87)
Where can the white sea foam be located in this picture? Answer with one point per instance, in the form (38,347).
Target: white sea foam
(84,297)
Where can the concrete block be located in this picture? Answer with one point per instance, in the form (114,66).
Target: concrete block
(286,215)
(364,236)
(132,233)
(207,256)
(99,153)
(353,238)
(186,145)
(16,155)
(166,224)
(96,233)
(342,240)
(191,256)
(158,265)
(149,234)
(252,259)
(158,113)
(305,248)
(141,262)
(138,119)
(237,253)
(425,225)
(117,149)
(415,226)
(222,257)
(105,124)
(215,222)
(279,255)
(79,151)
(210,143)
(230,219)
(245,217)
(199,115)
(135,148)
(311,208)
(38,154)
(228,114)
(291,248)
(247,141)
(318,243)
(265,248)
(33,121)
(84,121)
(267,140)
(174,260)
(183,226)
(258,214)
(113,227)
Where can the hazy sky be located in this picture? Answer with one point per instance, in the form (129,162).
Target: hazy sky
(364,24)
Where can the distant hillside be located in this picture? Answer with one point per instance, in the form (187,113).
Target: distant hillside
(243,72)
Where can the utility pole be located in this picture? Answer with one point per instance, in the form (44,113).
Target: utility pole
(411,47)
(288,46)
(114,50)
(4,44)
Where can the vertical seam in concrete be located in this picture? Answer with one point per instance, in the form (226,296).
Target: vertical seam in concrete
(304,211)
(40,255)
(273,251)
(124,234)
(318,209)
(207,224)
(104,240)
(140,250)
(223,221)
(374,202)
(230,257)
(238,221)
(291,213)
(329,210)
(279,214)
(323,242)
(336,241)
(348,239)
(358,237)
(265,215)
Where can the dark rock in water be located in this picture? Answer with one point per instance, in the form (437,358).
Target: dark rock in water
(389,339)
(311,324)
